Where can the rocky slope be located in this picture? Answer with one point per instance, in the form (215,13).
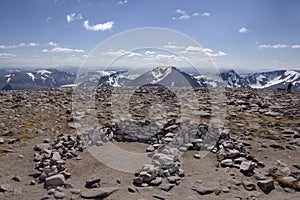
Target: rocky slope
(255,154)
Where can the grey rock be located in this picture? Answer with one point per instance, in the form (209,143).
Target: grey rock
(226,163)
(276,146)
(8,151)
(288,131)
(93,183)
(17,178)
(75,191)
(51,191)
(197,156)
(247,168)
(131,189)
(59,195)
(150,148)
(55,180)
(137,181)
(233,153)
(56,156)
(289,190)
(4,187)
(248,185)
(289,179)
(157,181)
(1,140)
(203,190)
(98,192)
(42,147)
(167,187)
(266,185)
(234,182)
(159,197)
(173,179)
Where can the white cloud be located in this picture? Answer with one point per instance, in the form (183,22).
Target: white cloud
(52,44)
(205,14)
(243,30)
(205,51)
(122,2)
(182,15)
(33,44)
(73,16)
(98,27)
(23,44)
(172,45)
(164,56)
(296,46)
(63,50)
(276,46)
(7,55)
(149,53)
(57,49)
(121,52)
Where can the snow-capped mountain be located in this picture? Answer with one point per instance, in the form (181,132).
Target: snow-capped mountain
(164,76)
(226,78)
(274,79)
(18,79)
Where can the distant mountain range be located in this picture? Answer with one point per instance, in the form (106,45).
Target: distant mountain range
(166,76)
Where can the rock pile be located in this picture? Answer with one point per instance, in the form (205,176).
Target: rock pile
(50,159)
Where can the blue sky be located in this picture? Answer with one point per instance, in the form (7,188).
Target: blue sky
(243,34)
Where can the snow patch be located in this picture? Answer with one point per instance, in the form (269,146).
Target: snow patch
(160,73)
(31,76)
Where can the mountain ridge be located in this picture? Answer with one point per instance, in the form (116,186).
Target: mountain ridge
(14,79)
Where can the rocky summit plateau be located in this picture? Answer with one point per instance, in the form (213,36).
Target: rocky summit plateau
(49,140)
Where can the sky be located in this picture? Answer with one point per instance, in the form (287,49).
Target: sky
(249,35)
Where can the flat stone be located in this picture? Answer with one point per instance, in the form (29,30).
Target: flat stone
(272,114)
(75,191)
(59,195)
(150,148)
(93,183)
(289,179)
(248,185)
(203,190)
(131,189)
(51,191)
(234,182)
(173,179)
(4,187)
(197,156)
(276,146)
(157,181)
(42,147)
(8,151)
(266,185)
(226,163)
(17,178)
(159,197)
(167,187)
(1,140)
(288,131)
(55,180)
(233,153)
(98,192)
